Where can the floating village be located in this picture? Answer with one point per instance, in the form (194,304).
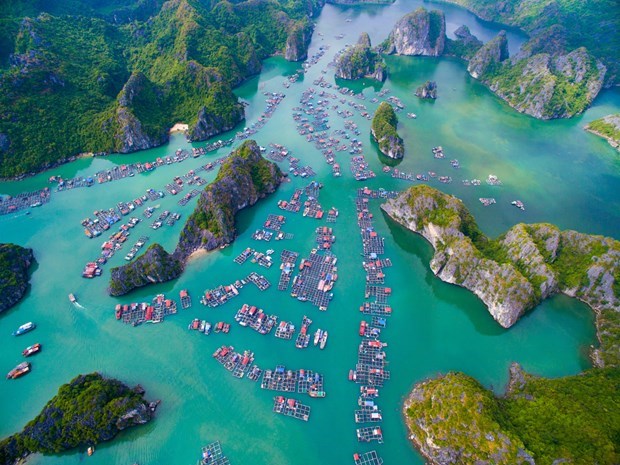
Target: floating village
(309,276)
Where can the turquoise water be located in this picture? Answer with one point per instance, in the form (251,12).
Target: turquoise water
(562,174)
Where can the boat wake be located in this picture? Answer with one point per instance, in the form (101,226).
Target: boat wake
(79,306)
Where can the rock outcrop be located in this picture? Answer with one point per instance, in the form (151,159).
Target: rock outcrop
(14,279)
(464,46)
(359,61)
(452,419)
(297,41)
(88,410)
(607,127)
(428,90)
(488,56)
(153,266)
(209,123)
(384,131)
(244,179)
(527,264)
(420,32)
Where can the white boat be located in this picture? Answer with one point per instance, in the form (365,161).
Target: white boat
(323,339)
(317,336)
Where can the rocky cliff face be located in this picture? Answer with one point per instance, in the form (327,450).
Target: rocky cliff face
(154,266)
(514,273)
(209,124)
(421,32)
(14,280)
(542,85)
(88,410)
(131,134)
(244,179)
(489,55)
(297,41)
(464,46)
(359,61)
(428,90)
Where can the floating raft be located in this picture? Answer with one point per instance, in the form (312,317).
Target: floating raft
(285,330)
(303,338)
(301,381)
(259,280)
(368,458)
(212,454)
(186,300)
(369,434)
(274,222)
(376,309)
(12,204)
(234,362)
(291,408)
(288,259)
(243,256)
(368,414)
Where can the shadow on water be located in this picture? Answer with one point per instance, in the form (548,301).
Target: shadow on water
(456,296)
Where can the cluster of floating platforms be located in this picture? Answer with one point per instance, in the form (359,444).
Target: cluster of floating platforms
(300,381)
(263,259)
(256,319)
(325,237)
(291,408)
(154,312)
(316,278)
(285,330)
(370,371)
(212,454)
(360,169)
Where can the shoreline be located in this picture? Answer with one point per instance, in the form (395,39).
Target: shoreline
(179,127)
(611,141)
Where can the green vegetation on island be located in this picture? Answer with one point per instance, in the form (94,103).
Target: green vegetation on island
(515,272)
(576,419)
(153,266)
(88,410)
(384,131)
(244,178)
(360,60)
(550,77)
(14,278)
(607,127)
(560,25)
(78,77)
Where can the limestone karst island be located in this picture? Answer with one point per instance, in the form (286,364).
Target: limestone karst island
(366,232)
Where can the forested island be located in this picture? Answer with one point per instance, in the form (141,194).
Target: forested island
(607,127)
(244,178)
(85,76)
(86,411)
(15,262)
(360,60)
(384,131)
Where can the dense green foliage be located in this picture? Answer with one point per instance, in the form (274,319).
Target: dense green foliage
(14,264)
(383,127)
(576,418)
(593,24)
(61,90)
(84,412)
(358,61)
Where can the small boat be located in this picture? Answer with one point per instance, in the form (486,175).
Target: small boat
(518,204)
(19,370)
(317,336)
(31,350)
(207,329)
(23,329)
(90,451)
(72,298)
(313,393)
(323,339)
